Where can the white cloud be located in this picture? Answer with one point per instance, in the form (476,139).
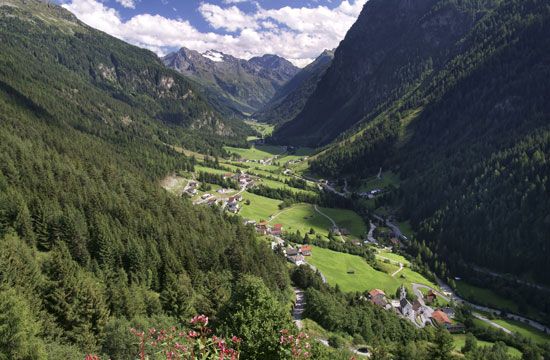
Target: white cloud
(129,4)
(298,34)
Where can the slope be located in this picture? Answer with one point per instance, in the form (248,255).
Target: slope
(291,98)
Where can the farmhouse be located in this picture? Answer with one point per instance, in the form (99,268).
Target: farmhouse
(262,228)
(292,251)
(440,318)
(431,297)
(277,229)
(296,259)
(306,250)
(378,297)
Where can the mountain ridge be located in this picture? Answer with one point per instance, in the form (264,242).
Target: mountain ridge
(236,87)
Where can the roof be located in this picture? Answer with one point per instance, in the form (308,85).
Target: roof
(440,317)
(278,226)
(375,292)
(305,248)
(263,222)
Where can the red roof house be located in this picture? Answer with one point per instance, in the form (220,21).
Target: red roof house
(440,317)
(306,250)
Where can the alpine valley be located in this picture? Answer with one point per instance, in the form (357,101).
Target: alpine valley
(390,200)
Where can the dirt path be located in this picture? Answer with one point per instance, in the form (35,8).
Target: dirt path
(325,215)
(397,271)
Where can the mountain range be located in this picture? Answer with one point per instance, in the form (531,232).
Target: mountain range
(235,87)
(290,99)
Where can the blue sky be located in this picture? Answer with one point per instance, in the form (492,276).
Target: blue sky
(298,30)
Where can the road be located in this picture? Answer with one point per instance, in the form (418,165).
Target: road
(299,307)
(391,225)
(370,236)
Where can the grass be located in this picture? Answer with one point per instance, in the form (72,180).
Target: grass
(335,267)
(393,257)
(387,178)
(347,219)
(262,128)
(524,330)
(260,208)
(406,229)
(303,217)
(460,340)
(484,296)
(259,152)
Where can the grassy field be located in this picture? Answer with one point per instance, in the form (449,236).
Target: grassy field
(485,297)
(405,227)
(460,339)
(525,330)
(259,152)
(347,219)
(392,256)
(335,267)
(387,178)
(260,208)
(262,128)
(303,217)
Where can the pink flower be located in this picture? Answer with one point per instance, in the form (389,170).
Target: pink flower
(235,339)
(192,334)
(200,319)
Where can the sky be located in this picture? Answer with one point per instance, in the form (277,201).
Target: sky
(298,30)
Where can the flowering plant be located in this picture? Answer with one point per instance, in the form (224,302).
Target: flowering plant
(295,346)
(193,344)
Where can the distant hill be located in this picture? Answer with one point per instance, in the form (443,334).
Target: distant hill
(233,86)
(290,99)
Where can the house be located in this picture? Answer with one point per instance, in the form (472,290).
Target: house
(192,184)
(239,197)
(211,201)
(261,228)
(192,191)
(231,200)
(306,250)
(234,208)
(292,251)
(296,259)
(277,229)
(378,297)
(431,297)
(206,196)
(440,318)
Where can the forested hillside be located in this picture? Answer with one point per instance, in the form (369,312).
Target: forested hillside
(471,142)
(91,244)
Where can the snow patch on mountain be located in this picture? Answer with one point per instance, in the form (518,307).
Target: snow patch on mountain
(214,55)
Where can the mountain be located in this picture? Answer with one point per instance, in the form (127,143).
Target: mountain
(91,244)
(291,98)
(452,96)
(234,86)
(386,52)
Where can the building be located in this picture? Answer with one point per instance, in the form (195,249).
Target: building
(440,318)
(306,250)
(431,297)
(406,307)
(277,229)
(292,251)
(234,207)
(262,228)
(378,297)
(296,259)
